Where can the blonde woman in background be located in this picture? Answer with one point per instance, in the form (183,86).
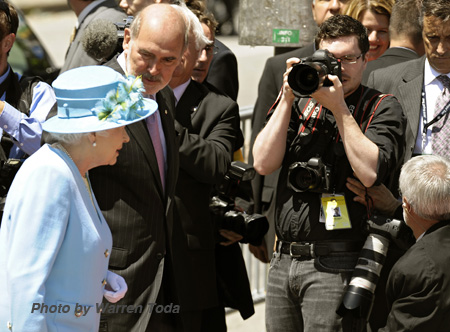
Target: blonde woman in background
(375,16)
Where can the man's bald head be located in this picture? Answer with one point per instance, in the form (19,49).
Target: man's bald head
(154,45)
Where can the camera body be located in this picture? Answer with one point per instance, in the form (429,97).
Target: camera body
(310,73)
(226,215)
(121,26)
(313,176)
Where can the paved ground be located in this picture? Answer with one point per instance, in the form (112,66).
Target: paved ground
(52,22)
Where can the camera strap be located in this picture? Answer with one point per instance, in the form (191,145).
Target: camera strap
(310,115)
(366,100)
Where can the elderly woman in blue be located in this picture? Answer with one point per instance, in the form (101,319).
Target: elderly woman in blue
(54,241)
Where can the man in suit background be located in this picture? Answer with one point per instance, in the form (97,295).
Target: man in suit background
(88,11)
(418,289)
(207,124)
(406,42)
(268,89)
(223,71)
(417,83)
(136,194)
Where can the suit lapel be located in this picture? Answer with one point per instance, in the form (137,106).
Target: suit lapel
(141,135)
(410,92)
(189,102)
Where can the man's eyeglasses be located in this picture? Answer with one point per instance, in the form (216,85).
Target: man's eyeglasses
(349,59)
(211,49)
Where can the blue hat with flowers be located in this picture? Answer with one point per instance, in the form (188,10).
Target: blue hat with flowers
(96,98)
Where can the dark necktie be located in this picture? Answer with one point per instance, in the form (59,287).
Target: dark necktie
(440,139)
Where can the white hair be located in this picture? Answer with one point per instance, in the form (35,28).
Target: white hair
(70,139)
(425,182)
(194,26)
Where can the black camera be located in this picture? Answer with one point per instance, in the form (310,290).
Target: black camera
(8,171)
(121,26)
(359,295)
(312,175)
(227,215)
(310,73)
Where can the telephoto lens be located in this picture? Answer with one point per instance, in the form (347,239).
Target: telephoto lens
(306,78)
(359,296)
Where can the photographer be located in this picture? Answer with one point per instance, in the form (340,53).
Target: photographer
(25,102)
(343,128)
(418,288)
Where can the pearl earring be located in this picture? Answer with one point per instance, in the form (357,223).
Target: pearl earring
(94,144)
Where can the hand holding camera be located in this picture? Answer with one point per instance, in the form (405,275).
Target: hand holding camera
(322,69)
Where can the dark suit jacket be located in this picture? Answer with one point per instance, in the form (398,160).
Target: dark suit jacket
(404,81)
(268,89)
(207,124)
(392,56)
(418,288)
(139,213)
(76,56)
(223,71)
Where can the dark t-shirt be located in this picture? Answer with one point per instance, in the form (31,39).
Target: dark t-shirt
(313,133)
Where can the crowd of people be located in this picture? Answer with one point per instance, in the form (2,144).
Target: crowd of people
(107,175)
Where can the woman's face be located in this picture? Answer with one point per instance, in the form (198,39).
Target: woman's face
(109,145)
(377,26)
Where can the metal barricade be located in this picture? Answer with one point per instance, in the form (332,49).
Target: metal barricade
(256,270)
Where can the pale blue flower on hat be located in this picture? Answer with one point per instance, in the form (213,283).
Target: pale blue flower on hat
(124,103)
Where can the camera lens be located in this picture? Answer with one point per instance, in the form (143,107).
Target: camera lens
(360,292)
(302,179)
(305,78)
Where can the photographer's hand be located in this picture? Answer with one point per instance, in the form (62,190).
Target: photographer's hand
(260,252)
(270,144)
(361,152)
(382,198)
(331,97)
(231,236)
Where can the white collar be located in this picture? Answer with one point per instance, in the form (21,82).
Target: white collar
(122,62)
(179,90)
(430,74)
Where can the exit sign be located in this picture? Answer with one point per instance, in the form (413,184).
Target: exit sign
(285,36)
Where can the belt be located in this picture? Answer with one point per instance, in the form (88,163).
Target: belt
(314,249)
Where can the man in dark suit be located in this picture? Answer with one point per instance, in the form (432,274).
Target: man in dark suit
(232,279)
(418,288)
(88,11)
(407,81)
(223,71)
(136,195)
(268,89)
(406,42)
(207,125)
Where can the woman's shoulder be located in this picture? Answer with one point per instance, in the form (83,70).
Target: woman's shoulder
(46,161)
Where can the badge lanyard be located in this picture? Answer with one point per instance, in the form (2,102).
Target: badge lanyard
(444,111)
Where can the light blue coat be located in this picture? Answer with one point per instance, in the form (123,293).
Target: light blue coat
(54,248)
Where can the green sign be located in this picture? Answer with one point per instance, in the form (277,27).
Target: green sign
(285,36)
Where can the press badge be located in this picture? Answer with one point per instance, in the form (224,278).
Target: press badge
(334,212)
